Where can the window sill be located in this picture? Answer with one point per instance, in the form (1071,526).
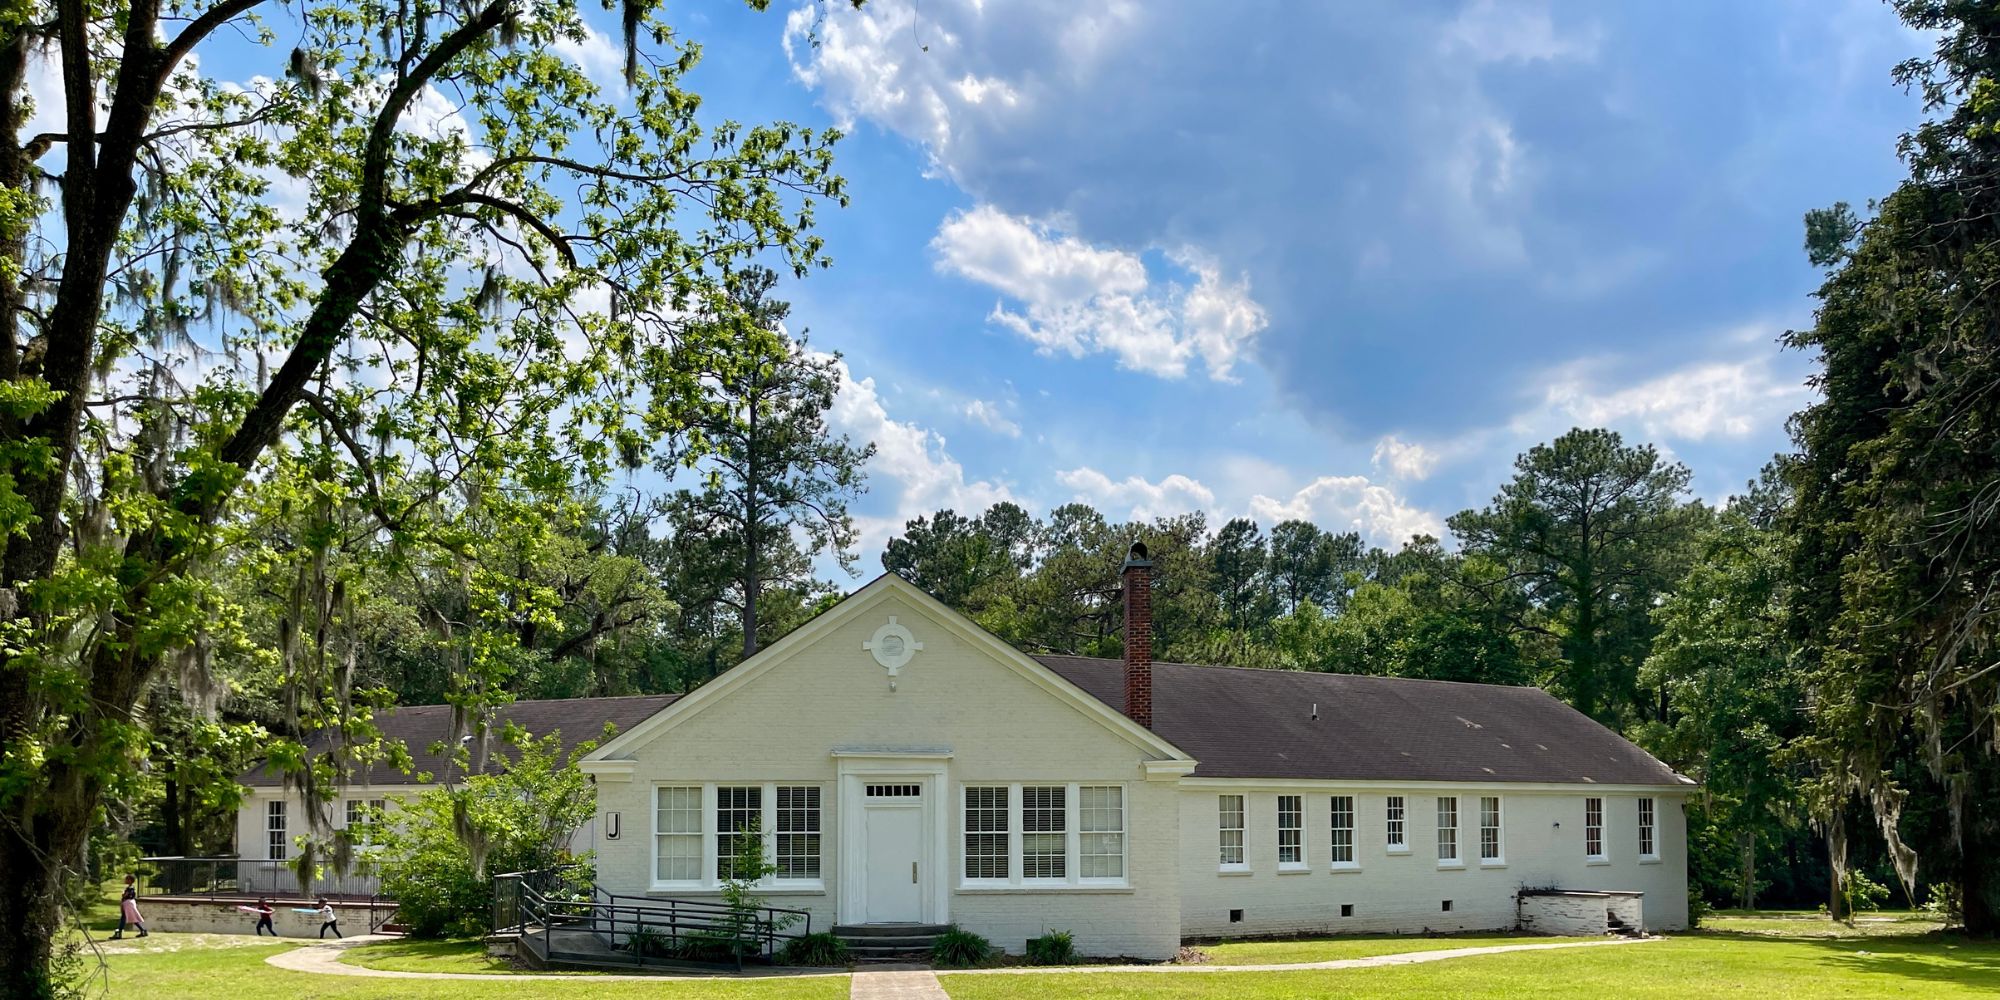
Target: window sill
(1452,866)
(1597,862)
(1344,869)
(1298,869)
(695,889)
(1649,859)
(1495,863)
(1396,850)
(1233,872)
(1032,889)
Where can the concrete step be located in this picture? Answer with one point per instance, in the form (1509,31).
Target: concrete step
(889,930)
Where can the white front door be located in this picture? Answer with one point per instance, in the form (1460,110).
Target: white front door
(895,837)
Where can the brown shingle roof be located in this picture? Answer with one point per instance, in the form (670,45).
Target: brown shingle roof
(1245,723)
(421,726)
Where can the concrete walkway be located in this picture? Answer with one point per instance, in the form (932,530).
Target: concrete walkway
(913,984)
(901,984)
(1404,958)
(324,958)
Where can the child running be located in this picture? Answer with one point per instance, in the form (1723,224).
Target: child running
(329,920)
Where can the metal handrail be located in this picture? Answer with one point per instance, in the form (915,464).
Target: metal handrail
(679,927)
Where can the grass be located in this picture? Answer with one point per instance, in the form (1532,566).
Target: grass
(1287,951)
(434,956)
(211,973)
(1753,956)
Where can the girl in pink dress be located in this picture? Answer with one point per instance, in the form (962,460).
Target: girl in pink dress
(128,909)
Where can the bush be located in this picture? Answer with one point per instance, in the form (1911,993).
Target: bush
(1862,893)
(1052,948)
(819,949)
(1943,904)
(958,948)
(1698,910)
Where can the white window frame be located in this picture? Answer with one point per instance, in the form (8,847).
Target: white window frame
(1072,877)
(277,831)
(1063,835)
(1006,833)
(699,836)
(812,811)
(1102,834)
(1456,859)
(1297,831)
(1593,829)
(1238,804)
(1649,829)
(1498,828)
(707,834)
(1337,808)
(1396,824)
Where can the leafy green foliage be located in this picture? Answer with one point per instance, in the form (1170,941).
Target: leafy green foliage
(440,851)
(820,949)
(958,948)
(1052,948)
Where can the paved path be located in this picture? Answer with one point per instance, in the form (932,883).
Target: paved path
(901,984)
(1404,958)
(324,958)
(913,984)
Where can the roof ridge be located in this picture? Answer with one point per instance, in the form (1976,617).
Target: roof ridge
(1300,673)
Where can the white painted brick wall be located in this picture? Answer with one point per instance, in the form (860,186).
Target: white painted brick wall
(782,727)
(1404,893)
(1568,915)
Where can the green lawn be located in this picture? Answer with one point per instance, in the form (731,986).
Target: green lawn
(1809,923)
(1288,951)
(240,972)
(434,956)
(1765,956)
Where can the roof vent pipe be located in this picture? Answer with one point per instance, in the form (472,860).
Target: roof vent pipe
(1138,590)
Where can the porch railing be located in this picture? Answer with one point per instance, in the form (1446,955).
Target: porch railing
(609,929)
(223,876)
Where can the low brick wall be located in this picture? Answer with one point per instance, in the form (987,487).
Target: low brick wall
(1629,907)
(214,916)
(1566,914)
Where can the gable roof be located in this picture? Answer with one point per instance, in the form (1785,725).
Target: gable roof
(1250,723)
(860,602)
(420,726)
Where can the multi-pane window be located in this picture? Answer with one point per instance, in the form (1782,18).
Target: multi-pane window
(738,810)
(357,814)
(677,834)
(986,833)
(1101,844)
(1398,840)
(1230,827)
(1448,828)
(1342,849)
(1489,828)
(1593,828)
(1291,831)
(277,844)
(797,855)
(1649,845)
(1044,831)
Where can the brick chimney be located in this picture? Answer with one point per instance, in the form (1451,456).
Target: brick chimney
(1138,588)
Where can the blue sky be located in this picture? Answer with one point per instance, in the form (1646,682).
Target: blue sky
(1341,261)
(1337,261)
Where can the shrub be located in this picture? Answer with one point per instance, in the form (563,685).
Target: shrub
(712,946)
(958,948)
(1943,904)
(1862,893)
(1698,910)
(815,950)
(1052,948)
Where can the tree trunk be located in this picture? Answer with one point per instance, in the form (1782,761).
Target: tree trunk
(1747,896)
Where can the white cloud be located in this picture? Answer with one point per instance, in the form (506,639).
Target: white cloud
(1710,399)
(1517,31)
(599,56)
(989,416)
(938,72)
(911,463)
(1081,299)
(1351,503)
(1137,498)
(1404,460)
(1336,503)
